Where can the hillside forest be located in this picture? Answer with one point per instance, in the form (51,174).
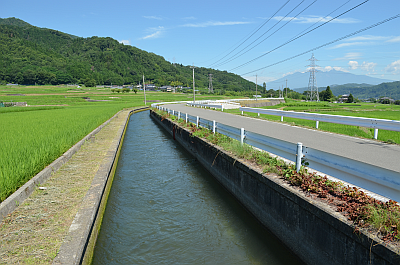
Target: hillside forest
(32,55)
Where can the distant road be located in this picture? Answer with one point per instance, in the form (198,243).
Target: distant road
(364,150)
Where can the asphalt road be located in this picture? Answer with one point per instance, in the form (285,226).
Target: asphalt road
(364,150)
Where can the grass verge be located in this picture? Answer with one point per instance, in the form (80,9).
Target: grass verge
(382,218)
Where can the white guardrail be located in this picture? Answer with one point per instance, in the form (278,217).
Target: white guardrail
(375,179)
(376,124)
(201,105)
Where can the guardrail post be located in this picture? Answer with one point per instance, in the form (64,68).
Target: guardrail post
(241,135)
(376,134)
(222,108)
(173,112)
(281,118)
(316,124)
(299,155)
(186,118)
(197,121)
(179,115)
(213,127)
(242,112)
(258,114)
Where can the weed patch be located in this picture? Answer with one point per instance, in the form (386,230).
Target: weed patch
(361,209)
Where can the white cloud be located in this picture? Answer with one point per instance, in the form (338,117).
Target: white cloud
(189,18)
(157,33)
(395,39)
(368,67)
(368,38)
(353,65)
(215,23)
(153,17)
(348,44)
(289,73)
(350,56)
(315,19)
(393,67)
(330,68)
(126,42)
(365,66)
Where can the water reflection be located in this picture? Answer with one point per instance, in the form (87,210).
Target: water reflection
(164,208)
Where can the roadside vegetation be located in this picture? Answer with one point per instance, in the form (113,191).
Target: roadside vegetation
(377,217)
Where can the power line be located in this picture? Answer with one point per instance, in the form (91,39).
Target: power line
(231,59)
(297,37)
(328,43)
(254,32)
(322,18)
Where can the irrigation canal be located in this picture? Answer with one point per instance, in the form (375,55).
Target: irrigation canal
(164,208)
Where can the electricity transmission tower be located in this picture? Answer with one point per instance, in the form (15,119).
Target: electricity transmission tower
(210,87)
(312,92)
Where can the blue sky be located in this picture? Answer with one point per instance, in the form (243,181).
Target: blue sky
(209,33)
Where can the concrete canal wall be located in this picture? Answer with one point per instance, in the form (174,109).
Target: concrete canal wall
(316,233)
(78,246)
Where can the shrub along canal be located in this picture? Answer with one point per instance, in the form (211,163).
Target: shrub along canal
(164,208)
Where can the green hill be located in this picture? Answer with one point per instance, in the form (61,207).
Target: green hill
(30,55)
(365,91)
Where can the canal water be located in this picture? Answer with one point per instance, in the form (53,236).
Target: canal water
(164,208)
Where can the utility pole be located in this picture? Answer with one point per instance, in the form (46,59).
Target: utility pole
(194,90)
(144,89)
(210,86)
(256,87)
(286,87)
(312,93)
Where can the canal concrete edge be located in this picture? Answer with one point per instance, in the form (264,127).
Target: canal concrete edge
(313,231)
(78,245)
(20,195)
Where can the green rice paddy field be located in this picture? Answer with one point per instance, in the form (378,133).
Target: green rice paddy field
(58,117)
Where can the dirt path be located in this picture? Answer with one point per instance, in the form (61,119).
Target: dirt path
(34,232)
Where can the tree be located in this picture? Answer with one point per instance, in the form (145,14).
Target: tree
(322,95)
(89,82)
(326,95)
(176,83)
(45,78)
(350,99)
(329,95)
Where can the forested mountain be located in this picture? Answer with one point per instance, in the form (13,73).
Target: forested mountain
(30,55)
(364,91)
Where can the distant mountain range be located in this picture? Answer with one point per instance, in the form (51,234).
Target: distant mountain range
(299,81)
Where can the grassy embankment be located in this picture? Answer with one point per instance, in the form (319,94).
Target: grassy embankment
(56,118)
(367,110)
(382,219)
